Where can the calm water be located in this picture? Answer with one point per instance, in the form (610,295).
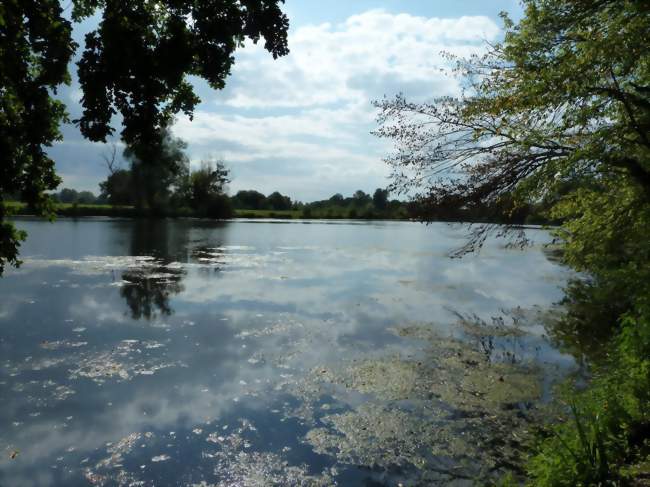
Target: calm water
(258,353)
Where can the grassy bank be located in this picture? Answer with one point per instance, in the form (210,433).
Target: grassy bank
(80,210)
(599,431)
(283,214)
(73,209)
(603,437)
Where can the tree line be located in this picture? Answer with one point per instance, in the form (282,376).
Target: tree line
(203,192)
(358,205)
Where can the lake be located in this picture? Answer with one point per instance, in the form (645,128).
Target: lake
(188,352)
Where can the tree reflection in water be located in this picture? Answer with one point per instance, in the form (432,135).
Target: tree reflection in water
(148,286)
(147,290)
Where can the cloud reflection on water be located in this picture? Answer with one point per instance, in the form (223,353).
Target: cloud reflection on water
(236,312)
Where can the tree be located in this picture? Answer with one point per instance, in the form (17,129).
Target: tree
(249,200)
(86,198)
(558,114)
(118,188)
(361,198)
(135,63)
(207,189)
(35,48)
(565,97)
(276,201)
(380,199)
(67,195)
(156,167)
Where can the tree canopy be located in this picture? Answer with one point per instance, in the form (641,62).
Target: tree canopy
(137,61)
(135,64)
(156,167)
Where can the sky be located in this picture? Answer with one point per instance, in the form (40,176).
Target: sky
(302,124)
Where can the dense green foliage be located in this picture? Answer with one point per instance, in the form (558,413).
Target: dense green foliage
(137,60)
(359,205)
(558,116)
(135,64)
(202,193)
(250,200)
(118,188)
(205,191)
(67,195)
(35,49)
(157,169)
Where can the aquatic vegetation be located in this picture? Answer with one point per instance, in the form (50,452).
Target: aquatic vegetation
(449,413)
(123,362)
(236,463)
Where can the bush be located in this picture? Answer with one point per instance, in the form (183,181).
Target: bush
(219,207)
(607,438)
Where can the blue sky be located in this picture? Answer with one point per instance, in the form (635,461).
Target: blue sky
(301,124)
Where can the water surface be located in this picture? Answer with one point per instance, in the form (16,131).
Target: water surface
(180,352)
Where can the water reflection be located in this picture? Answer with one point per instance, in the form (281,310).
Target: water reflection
(240,341)
(147,287)
(147,290)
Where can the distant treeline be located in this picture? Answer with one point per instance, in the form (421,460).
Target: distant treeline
(198,200)
(359,205)
(172,188)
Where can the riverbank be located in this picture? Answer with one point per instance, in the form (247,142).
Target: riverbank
(81,210)
(88,210)
(602,434)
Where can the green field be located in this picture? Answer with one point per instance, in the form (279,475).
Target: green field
(268,214)
(78,210)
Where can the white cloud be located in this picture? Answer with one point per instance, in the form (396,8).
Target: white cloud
(329,64)
(301,124)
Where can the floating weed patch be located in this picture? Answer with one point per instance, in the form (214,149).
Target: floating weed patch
(237,463)
(446,414)
(110,469)
(373,436)
(123,362)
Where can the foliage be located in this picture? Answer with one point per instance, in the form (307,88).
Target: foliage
(380,199)
(207,187)
(136,63)
(608,433)
(67,195)
(118,188)
(276,201)
(359,205)
(156,167)
(249,200)
(35,48)
(169,186)
(361,198)
(606,233)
